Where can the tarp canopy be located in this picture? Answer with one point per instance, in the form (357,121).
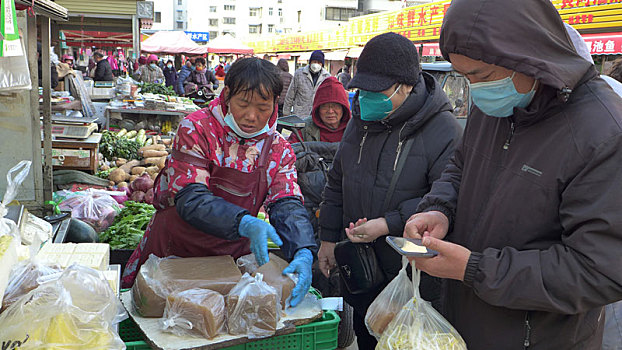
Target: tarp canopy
(171,42)
(228,44)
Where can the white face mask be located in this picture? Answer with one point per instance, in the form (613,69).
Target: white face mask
(230,121)
(315,67)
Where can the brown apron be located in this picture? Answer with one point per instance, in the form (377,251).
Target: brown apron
(171,235)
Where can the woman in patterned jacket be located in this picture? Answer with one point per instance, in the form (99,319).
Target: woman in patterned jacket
(227,162)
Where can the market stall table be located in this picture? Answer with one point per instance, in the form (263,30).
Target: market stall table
(76,154)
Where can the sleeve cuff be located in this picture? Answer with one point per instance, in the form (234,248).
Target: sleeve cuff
(394,222)
(328,235)
(471,269)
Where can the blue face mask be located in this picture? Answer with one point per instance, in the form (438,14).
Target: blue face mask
(375,105)
(153,65)
(230,121)
(498,98)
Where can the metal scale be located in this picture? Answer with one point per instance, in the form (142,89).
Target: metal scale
(73,127)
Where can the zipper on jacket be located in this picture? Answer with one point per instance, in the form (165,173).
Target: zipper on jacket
(232,191)
(399,147)
(361,145)
(527,341)
(509,138)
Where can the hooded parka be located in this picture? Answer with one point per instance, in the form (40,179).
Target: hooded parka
(537,196)
(365,163)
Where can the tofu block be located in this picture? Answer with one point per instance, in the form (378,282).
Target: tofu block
(158,278)
(93,255)
(253,308)
(195,311)
(273,276)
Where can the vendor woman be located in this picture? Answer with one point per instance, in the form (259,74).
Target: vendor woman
(227,161)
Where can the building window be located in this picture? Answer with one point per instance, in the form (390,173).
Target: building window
(229,20)
(212,9)
(280,12)
(213,35)
(228,32)
(339,13)
(254,11)
(180,25)
(254,29)
(270,11)
(158,17)
(213,21)
(180,2)
(180,15)
(299,14)
(229,7)
(280,1)
(282,20)
(270,28)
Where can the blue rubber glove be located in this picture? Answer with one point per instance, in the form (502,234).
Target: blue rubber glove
(301,265)
(258,231)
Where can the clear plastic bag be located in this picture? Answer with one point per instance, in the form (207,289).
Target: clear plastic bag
(75,309)
(9,234)
(195,312)
(389,302)
(253,308)
(159,277)
(95,208)
(247,263)
(419,326)
(24,278)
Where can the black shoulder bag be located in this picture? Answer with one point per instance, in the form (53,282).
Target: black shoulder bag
(358,265)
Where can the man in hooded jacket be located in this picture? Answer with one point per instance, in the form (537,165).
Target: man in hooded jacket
(529,204)
(396,102)
(299,97)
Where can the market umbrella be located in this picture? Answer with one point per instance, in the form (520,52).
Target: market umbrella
(228,44)
(172,42)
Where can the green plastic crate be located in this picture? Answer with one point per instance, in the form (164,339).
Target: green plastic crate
(318,335)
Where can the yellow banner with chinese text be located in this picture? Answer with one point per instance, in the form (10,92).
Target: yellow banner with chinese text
(422,23)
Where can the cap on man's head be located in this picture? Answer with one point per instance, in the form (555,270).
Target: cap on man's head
(142,60)
(152,58)
(317,55)
(386,59)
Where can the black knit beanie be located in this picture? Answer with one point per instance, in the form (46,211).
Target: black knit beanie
(317,55)
(386,59)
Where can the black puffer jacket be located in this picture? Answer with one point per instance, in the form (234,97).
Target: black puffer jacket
(364,165)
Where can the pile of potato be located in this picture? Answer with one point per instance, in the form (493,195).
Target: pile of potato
(153,160)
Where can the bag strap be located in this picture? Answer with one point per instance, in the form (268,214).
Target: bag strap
(398,170)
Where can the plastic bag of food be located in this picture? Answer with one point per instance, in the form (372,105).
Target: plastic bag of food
(247,263)
(253,308)
(272,272)
(195,312)
(389,302)
(9,234)
(75,309)
(24,278)
(159,277)
(95,208)
(419,326)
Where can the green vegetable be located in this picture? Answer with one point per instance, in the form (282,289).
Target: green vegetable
(141,137)
(104,173)
(129,226)
(157,89)
(122,132)
(112,146)
(131,134)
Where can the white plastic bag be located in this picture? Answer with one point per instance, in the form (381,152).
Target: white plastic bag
(419,326)
(75,309)
(253,308)
(24,278)
(9,234)
(389,302)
